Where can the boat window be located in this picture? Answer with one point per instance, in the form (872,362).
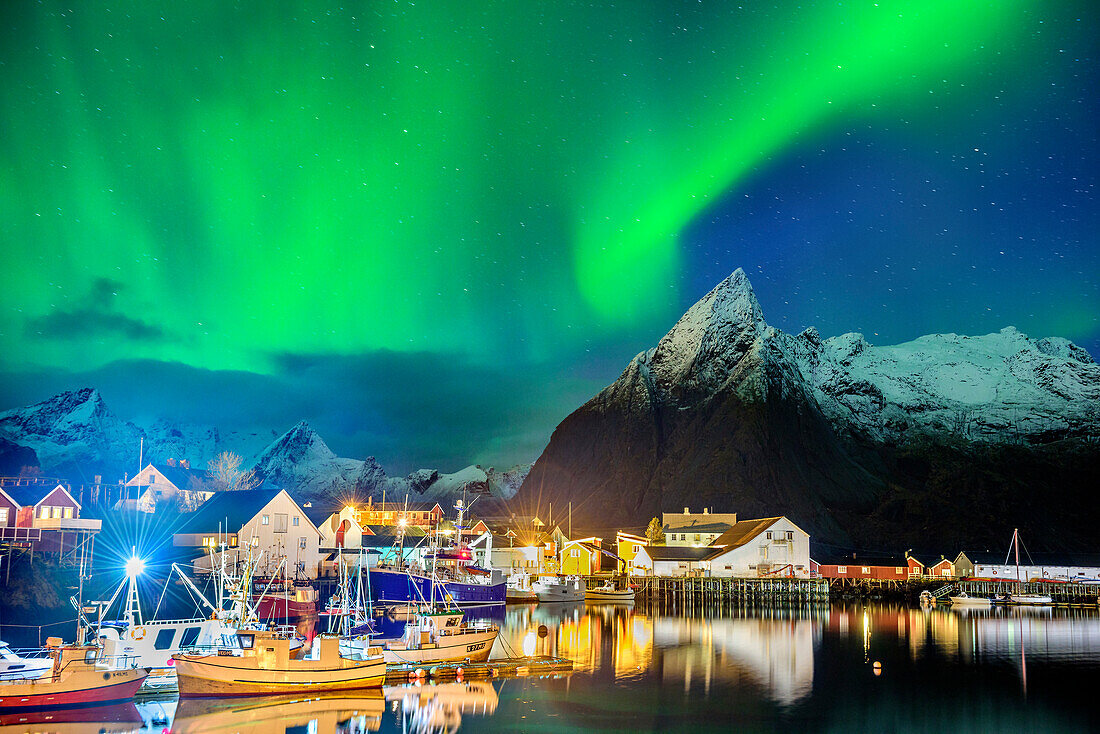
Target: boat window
(247,641)
(90,655)
(190,637)
(164,639)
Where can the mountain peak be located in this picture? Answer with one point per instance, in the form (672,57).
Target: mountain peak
(714,334)
(299,442)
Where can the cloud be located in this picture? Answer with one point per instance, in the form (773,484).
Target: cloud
(95,315)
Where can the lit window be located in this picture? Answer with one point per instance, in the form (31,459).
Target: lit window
(44,513)
(68,512)
(266,519)
(208,541)
(866,569)
(842,569)
(3,515)
(57,512)
(574,553)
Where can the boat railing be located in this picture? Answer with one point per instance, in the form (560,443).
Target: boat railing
(31,653)
(116,662)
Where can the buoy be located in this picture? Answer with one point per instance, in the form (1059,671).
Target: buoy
(876,664)
(419,672)
(492,672)
(458,673)
(543,631)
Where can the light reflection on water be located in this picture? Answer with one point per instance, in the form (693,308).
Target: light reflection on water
(639,669)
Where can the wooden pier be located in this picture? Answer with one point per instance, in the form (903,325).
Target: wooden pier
(692,590)
(501,668)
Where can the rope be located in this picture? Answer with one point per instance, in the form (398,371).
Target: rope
(40,626)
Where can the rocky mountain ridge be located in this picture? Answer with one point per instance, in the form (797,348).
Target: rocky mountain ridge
(74,435)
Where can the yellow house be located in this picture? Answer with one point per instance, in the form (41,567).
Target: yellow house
(628,547)
(581,557)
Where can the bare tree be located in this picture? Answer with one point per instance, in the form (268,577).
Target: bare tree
(226,474)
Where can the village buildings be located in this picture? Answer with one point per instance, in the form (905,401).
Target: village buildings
(171,482)
(266,522)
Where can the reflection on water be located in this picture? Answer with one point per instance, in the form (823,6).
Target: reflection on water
(357,711)
(862,667)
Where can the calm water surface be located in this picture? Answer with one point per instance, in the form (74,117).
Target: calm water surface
(641,669)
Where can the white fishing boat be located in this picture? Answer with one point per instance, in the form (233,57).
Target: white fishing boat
(14,666)
(262,665)
(559,588)
(432,637)
(608,592)
(519,589)
(962,599)
(1030,599)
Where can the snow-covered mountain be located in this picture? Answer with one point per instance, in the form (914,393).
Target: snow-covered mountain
(729,411)
(74,434)
(302,462)
(997,387)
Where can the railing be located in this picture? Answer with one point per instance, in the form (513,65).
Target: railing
(67,523)
(20,535)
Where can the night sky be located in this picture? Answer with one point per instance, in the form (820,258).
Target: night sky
(435,229)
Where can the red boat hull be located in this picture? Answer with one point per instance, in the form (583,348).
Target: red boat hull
(122,691)
(274,607)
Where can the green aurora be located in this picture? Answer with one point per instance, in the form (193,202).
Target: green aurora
(260,178)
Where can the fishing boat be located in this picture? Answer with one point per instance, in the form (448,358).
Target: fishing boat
(153,642)
(608,592)
(519,589)
(17,667)
(81,676)
(262,665)
(283,599)
(962,599)
(450,575)
(559,588)
(433,637)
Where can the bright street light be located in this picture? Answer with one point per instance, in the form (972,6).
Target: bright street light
(134,566)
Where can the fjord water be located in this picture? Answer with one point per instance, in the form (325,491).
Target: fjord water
(802,669)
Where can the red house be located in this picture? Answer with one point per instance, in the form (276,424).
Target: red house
(44,515)
(861,567)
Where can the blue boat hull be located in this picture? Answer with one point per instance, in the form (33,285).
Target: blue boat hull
(388,586)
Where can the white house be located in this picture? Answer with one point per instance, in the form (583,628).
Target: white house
(268,521)
(1071,567)
(341,529)
(695,529)
(770,546)
(173,481)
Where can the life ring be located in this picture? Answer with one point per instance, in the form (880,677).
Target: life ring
(137,633)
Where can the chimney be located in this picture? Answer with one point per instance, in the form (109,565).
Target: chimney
(706,510)
(686,512)
(185,463)
(171,461)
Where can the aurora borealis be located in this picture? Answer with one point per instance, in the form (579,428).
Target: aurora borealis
(434,229)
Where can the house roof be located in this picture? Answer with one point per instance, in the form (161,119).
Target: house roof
(678,552)
(30,495)
(182,477)
(230,510)
(743,531)
(714,527)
